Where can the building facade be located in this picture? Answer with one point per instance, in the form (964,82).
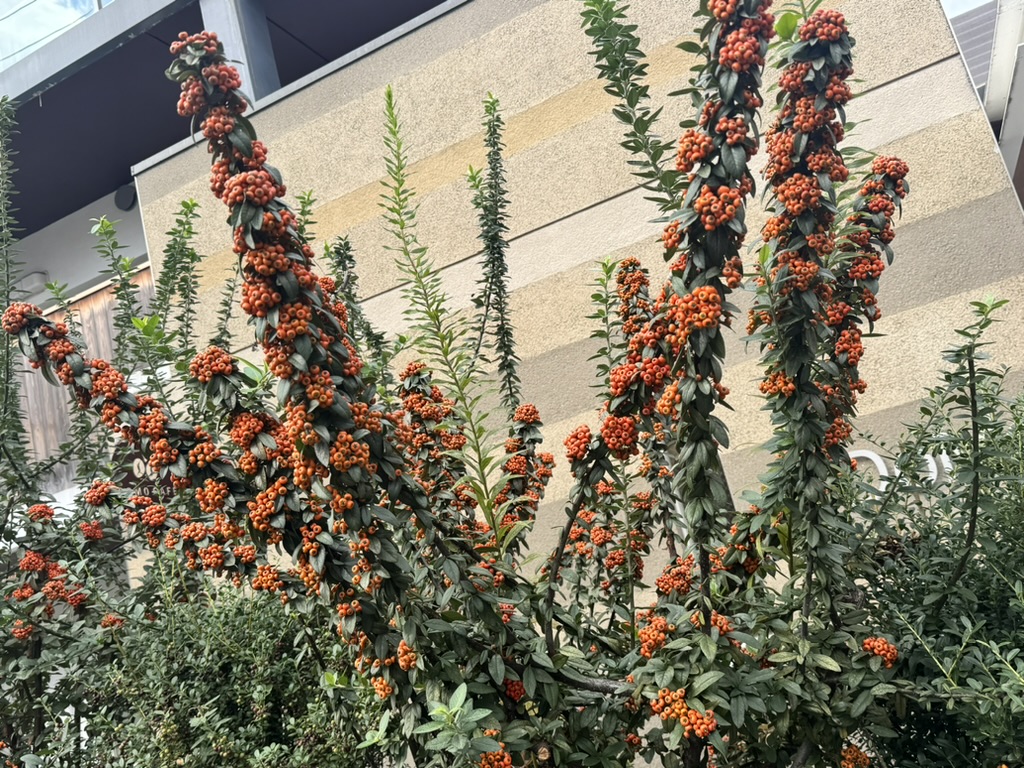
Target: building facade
(574,201)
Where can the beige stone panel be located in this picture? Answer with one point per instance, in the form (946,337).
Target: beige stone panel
(940,245)
(957,147)
(895,38)
(526,60)
(551,146)
(321,153)
(894,364)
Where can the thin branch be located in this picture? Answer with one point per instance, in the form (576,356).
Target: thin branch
(972,526)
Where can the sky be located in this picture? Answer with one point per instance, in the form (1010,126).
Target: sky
(26,24)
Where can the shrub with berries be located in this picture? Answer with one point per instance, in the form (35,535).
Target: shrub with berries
(401,510)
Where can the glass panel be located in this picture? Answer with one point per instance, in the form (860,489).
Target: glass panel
(25,25)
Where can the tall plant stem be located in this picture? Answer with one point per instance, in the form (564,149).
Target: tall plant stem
(972,525)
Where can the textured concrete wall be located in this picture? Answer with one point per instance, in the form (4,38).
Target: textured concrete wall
(575,202)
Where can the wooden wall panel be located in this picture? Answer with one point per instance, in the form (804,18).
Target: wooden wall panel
(47,408)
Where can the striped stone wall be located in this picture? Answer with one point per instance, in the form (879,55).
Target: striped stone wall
(574,201)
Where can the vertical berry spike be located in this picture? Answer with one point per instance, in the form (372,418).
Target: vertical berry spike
(340,458)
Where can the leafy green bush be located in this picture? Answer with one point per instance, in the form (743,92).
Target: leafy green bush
(225,678)
(950,582)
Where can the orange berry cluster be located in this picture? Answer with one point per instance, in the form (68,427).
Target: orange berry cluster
(824,25)
(718,621)
(671,705)
(267,578)
(265,504)
(734,128)
(653,635)
(837,91)
(212,557)
(204,453)
(806,116)
(213,362)
(222,77)
(801,273)
(40,513)
(154,515)
(527,413)
(619,434)
(193,97)
(778,383)
(866,267)
(92,531)
(672,236)
(577,443)
(32,561)
(212,495)
(722,9)
(406,656)
(838,432)
(111,621)
(22,593)
(744,47)
(717,206)
(499,759)
(694,147)
(677,578)
(98,493)
(892,167)
(108,382)
(854,757)
(799,193)
(742,50)
(515,690)
(206,41)
(732,272)
(16,317)
(258,298)
(382,687)
(701,309)
(219,122)
(793,76)
(256,187)
(849,344)
(879,646)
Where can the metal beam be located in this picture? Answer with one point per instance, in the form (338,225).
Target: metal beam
(1008,35)
(88,41)
(242,26)
(1011,136)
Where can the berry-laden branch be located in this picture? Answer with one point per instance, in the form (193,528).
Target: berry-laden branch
(814,293)
(816,285)
(341,458)
(345,476)
(226,489)
(672,377)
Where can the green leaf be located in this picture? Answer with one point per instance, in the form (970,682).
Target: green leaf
(786,25)
(707,646)
(703,682)
(496,666)
(824,662)
(458,698)
(861,703)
